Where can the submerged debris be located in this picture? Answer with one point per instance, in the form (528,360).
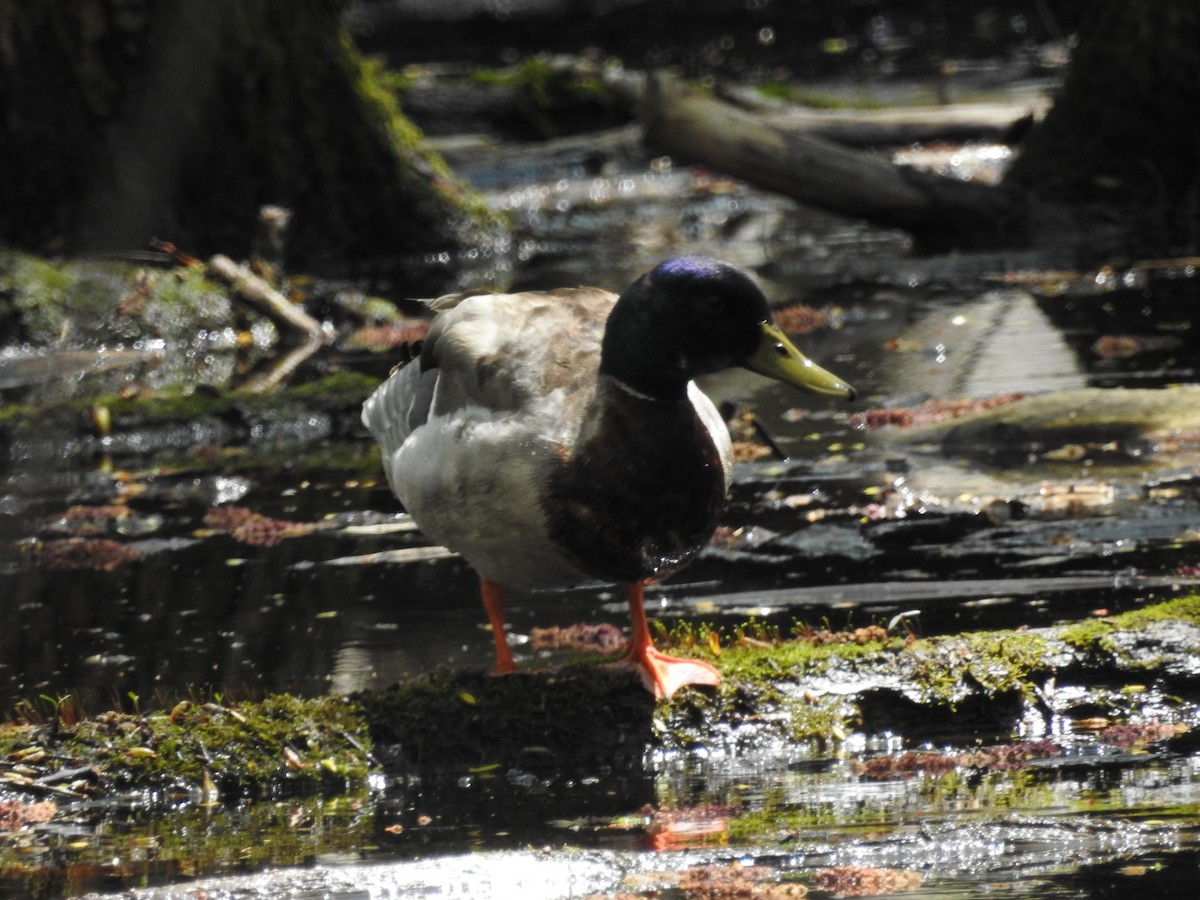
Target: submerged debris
(856,881)
(84,521)
(714,881)
(249,527)
(1140,734)
(1004,757)
(799,318)
(100,554)
(583,637)
(928,413)
(15,815)
(1125,346)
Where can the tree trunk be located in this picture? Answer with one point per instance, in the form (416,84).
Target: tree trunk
(129,121)
(1124,134)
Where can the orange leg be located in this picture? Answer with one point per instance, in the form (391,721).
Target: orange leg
(663,675)
(493,603)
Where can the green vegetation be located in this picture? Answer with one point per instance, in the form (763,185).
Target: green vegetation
(280,746)
(378,87)
(341,392)
(780,680)
(543,84)
(545,99)
(996,661)
(82,301)
(789,93)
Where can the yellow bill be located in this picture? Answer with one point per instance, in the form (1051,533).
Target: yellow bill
(777,357)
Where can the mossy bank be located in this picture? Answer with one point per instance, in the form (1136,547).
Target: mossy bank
(811,687)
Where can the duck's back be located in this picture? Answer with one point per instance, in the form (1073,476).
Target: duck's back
(470,428)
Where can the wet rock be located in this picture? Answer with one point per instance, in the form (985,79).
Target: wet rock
(570,717)
(1134,418)
(829,540)
(985,713)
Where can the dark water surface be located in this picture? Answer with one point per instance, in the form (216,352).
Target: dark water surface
(244,613)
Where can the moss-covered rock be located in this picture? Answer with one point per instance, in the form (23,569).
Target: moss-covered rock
(82,302)
(575,716)
(282,745)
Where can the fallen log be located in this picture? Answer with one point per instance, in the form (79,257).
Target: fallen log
(893,126)
(685,123)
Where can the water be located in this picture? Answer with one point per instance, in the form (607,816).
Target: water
(856,526)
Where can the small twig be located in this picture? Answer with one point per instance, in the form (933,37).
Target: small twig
(20,782)
(272,303)
(283,367)
(767,438)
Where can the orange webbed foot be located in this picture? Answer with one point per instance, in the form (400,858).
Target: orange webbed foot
(663,675)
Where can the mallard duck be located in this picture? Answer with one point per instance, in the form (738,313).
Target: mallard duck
(557,438)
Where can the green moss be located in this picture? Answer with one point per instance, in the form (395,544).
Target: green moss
(756,652)
(779,90)
(282,744)
(819,718)
(334,391)
(51,298)
(796,659)
(1186,609)
(1088,635)
(182,300)
(1005,660)
(22,273)
(82,301)
(379,89)
(763,675)
(338,390)
(1094,636)
(542,83)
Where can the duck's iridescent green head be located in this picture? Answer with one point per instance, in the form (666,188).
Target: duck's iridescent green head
(693,316)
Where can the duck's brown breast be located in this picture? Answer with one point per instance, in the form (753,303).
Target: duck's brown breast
(641,493)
